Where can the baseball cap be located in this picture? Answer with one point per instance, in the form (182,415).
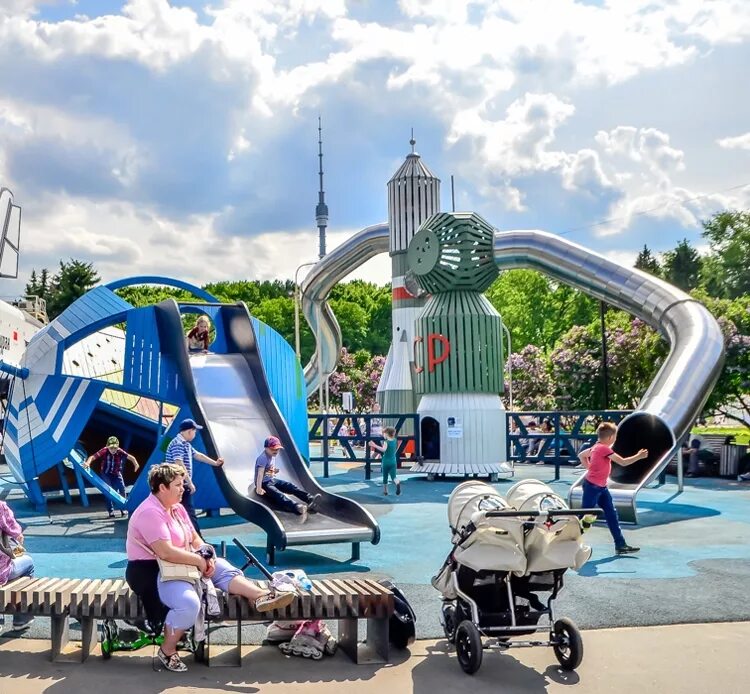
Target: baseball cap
(272,442)
(113,441)
(187,424)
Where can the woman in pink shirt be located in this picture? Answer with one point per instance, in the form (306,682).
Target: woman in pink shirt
(160,527)
(12,567)
(598,463)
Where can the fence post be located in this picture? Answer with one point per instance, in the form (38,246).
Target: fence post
(325,445)
(368,460)
(557,446)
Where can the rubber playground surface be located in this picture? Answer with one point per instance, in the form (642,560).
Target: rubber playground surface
(694,565)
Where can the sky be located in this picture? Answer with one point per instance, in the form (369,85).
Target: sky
(180,138)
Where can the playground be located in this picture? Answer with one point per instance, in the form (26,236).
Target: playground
(104,366)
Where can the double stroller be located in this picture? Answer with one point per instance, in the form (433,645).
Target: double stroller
(506,569)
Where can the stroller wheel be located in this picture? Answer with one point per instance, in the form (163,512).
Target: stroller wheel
(449,622)
(468,647)
(569,644)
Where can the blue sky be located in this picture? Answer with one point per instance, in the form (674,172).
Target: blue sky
(146,134)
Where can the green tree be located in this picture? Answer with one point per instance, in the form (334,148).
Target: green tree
(647,262)
(536,310)
(731,395)
(72,281)
(728,234)
(682,266)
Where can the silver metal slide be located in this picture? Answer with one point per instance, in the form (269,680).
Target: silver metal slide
(673,400)
(233,399)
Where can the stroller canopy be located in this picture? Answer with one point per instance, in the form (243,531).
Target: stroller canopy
(468,498)
(533,495)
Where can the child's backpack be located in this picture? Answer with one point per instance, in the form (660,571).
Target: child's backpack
(402,625)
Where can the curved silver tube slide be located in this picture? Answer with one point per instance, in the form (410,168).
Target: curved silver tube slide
(315,288)
(673,400)
(680,389)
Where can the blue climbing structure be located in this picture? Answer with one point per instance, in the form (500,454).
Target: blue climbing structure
(248,386)
(50,409)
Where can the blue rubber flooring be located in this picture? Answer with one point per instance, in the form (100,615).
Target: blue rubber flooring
(694,565)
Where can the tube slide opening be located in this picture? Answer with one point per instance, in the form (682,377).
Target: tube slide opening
(640,430)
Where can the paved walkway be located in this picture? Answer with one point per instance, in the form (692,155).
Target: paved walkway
(677,659)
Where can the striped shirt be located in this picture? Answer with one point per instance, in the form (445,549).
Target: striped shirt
(181,451)
(112,463)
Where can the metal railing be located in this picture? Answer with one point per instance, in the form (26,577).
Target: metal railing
(328,430)
(571,431)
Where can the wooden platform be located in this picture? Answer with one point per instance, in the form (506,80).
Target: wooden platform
(436,469)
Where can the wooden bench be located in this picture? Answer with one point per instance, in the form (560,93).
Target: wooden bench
(345,600)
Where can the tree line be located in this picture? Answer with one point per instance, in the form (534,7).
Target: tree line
(555,330)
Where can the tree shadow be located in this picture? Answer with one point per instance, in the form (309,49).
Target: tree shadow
(263,665)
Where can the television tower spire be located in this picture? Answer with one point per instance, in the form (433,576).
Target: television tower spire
(321,209)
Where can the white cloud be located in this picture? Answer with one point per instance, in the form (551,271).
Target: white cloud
(737,142)
(500,87)
(121,240)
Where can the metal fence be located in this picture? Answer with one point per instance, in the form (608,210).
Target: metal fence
(570,432)
(353,431)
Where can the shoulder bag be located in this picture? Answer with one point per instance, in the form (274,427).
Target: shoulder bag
(172,571)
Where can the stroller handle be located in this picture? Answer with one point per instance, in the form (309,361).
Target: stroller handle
(579,512)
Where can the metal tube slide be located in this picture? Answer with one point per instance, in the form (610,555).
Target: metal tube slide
(324,275)
(681,387)
(673,400)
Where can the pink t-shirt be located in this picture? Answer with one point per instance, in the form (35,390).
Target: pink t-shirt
(599,464)
(151,522)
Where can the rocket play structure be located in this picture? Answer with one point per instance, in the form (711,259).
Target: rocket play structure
(445,254)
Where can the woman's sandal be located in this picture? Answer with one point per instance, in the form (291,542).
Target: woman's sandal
(173,662)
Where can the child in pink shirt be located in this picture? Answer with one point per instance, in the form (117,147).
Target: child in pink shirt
(598,463)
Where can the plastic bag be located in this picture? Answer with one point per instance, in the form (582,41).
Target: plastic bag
(291,580)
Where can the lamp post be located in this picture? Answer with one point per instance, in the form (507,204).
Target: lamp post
(605,373)
(510,371)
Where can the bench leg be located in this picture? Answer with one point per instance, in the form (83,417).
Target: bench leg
(348,637)
(229,657)
(355,551)
(60,634)
(374,649)
(378,639)
(89,636)
(271,553)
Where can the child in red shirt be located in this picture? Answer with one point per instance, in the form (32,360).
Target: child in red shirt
(598,463)
(198,337)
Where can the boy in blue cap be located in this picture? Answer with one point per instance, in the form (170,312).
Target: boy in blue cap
(181,452)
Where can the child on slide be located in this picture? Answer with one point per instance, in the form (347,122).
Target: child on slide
(199,336)
(276,490)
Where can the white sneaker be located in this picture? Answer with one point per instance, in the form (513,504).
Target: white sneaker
(274,601)
(744,478)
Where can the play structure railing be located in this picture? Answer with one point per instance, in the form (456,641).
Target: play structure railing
(571,432)
(329,431)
